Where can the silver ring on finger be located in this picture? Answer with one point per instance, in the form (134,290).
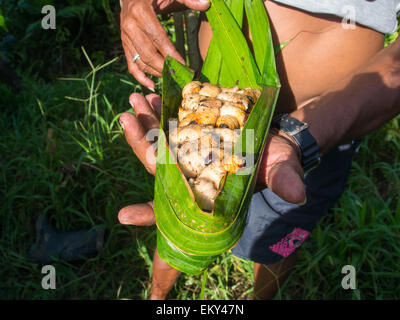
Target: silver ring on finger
(136,58)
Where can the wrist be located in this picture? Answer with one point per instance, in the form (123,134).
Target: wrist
(289,140)
(309,114)
(299,132)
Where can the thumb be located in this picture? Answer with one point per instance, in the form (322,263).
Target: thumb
(138,214)
(200,5)
(285,179)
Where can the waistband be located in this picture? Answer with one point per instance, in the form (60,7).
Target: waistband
(377,15)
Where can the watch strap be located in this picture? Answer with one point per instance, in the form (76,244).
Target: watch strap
(310,152)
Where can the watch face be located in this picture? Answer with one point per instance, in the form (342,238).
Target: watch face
(299,131)
(289,125)
(298,128)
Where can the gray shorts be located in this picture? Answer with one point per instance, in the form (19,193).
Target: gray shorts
(276,228)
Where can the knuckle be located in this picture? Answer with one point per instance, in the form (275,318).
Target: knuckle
(145,69)
(146,60)
(137,8)
(169,51)
(130,27)
(126,25)
(158,42)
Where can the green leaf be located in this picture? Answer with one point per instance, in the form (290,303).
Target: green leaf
(262,41)
(188,238)
(237,186)
(237,9)
(3,23)
(230,39)
(258,24)
(175,75)
(214,69)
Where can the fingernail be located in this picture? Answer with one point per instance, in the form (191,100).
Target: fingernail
(303,202)
(121,123)
(151,89)
(131,101)
(123,220)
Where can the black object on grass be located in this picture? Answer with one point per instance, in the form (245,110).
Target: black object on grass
(52,244)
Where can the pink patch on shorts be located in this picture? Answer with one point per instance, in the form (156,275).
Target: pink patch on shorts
(290,243)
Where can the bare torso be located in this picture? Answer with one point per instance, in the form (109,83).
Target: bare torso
(320,52)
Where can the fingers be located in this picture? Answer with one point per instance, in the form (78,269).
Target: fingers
(134,69)
(141,131)
(149,56)
(155,102)
(281,169)
(144,112)
(285,180)
(200,5)
(135,135)
(155,32)
(142,33)
(138,214)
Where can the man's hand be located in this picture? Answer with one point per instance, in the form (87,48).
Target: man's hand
(147,112)
(143,34)
(280,167)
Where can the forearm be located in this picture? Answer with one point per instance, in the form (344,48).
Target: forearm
(358,104)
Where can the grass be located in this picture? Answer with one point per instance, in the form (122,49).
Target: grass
(58,158)
(62,152)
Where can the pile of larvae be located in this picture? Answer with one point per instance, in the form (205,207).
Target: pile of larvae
(210,120)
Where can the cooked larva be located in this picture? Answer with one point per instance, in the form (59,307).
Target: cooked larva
(191,101)
(190,88)
(235,97)
(210,120)
(229,110)
(209,90)
(227,121)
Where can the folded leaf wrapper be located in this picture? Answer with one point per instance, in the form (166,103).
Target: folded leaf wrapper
(189,239)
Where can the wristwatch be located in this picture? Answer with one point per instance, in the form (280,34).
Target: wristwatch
(310,153)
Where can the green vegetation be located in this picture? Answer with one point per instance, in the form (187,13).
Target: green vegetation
(62,151)
(52,53)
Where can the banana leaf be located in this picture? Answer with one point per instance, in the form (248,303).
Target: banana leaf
(188,238)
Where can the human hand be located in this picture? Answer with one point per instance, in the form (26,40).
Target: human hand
(147,110)
(280,168)
(143,34)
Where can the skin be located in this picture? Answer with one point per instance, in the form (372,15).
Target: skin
(340,81)
(142,33)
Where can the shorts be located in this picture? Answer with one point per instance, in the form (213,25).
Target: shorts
(275,228)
